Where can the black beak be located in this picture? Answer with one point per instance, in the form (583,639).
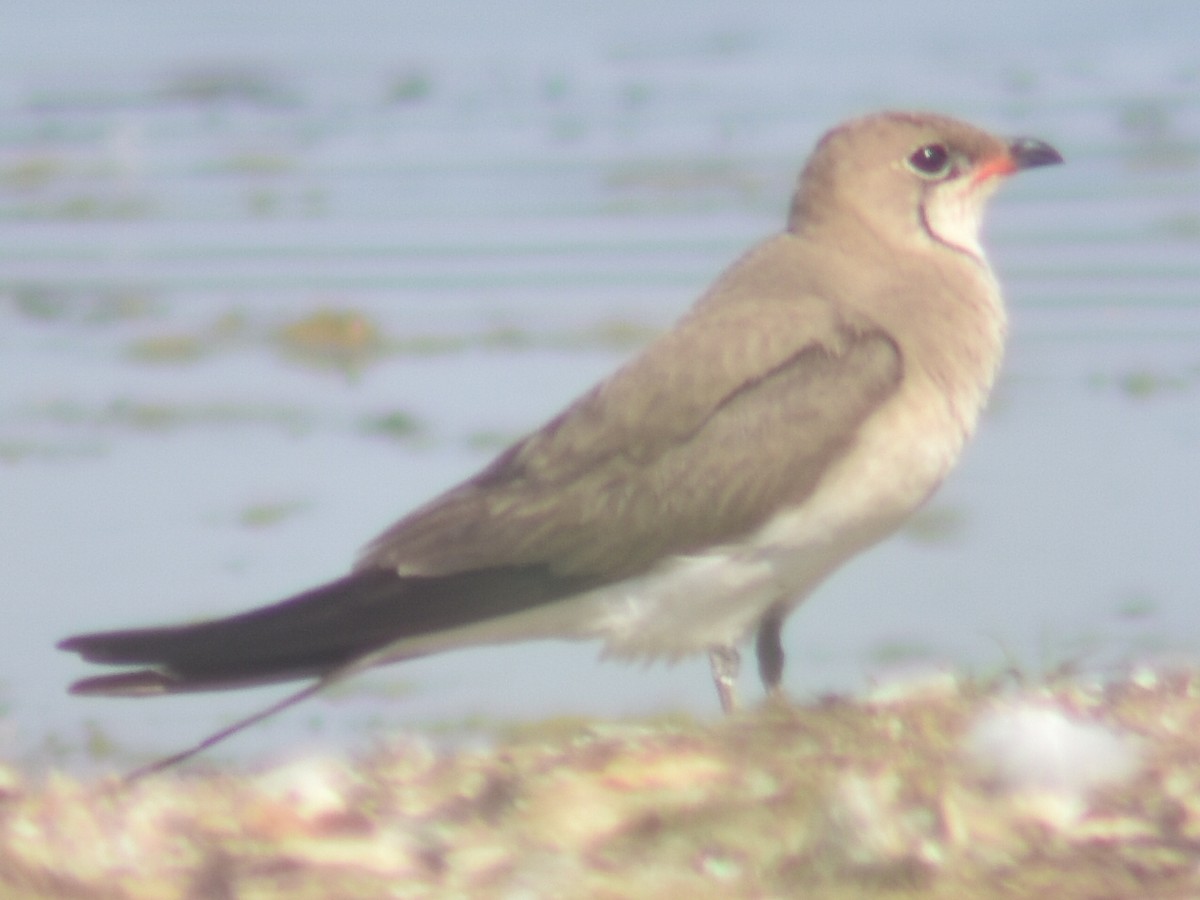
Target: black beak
(1029,153)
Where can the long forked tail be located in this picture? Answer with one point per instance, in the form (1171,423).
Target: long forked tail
(305,636)
(311,634)
(316,634)
(325,634)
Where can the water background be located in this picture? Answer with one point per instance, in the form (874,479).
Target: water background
(489,206)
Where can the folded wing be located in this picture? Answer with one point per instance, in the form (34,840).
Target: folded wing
(694,443)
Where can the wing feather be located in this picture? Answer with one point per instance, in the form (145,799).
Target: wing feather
(746,402)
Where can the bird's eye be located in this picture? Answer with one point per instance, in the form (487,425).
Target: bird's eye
(930,161)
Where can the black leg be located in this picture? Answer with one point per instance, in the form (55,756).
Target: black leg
(769,647)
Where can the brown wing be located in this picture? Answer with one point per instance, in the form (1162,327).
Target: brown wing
(693,443)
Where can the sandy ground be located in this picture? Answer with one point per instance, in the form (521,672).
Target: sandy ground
(930,788)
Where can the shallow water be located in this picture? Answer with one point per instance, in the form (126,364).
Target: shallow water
(510,203)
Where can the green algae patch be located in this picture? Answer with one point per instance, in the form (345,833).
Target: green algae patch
(343,340)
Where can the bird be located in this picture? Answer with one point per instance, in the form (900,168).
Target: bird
(800,411)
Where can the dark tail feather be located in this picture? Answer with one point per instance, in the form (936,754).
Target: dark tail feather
(302,637)
(140,683)
(312,634)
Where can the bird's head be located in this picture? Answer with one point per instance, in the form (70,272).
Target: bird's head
(912,176)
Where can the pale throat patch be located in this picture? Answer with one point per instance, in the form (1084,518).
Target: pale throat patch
(954,212)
